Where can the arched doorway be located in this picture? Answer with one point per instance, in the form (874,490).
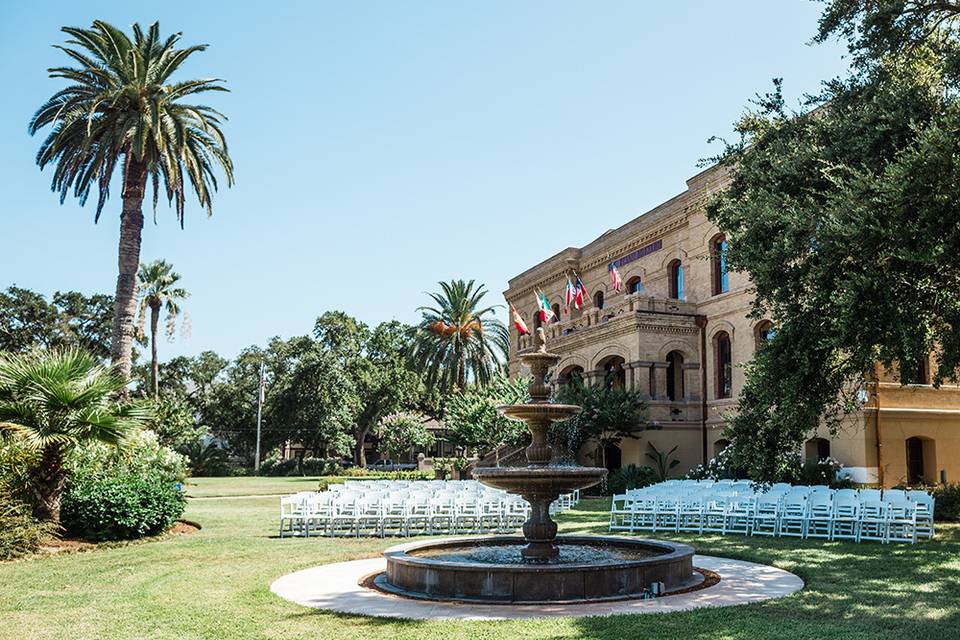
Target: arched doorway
(614,375)
(675,389)
(613,457)
(817,449)
(921,460)
(570,374)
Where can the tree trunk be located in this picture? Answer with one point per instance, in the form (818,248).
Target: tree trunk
(359,455)
(461,372)
(154,363)
(128,261)
(46,482)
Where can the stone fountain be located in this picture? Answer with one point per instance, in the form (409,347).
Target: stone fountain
(539,567)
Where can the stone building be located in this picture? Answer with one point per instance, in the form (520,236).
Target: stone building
(678,330)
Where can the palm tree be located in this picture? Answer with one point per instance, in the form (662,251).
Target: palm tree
(54,401)
(156,287)
(457,340)
(121,109)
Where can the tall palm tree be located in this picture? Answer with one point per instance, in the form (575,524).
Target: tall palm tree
(157,288)
(458,340)
(122,109)
(54,401)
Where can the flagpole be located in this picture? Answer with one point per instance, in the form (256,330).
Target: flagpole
(256,459)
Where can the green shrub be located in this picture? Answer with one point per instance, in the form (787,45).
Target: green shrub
(947,506)
(122,506)
(631,477)
(142,454)
(20,534)
(273,466)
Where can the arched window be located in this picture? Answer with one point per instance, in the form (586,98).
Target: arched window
(675,270)
(675,389)
(817,449)
(724,365)
(598,299)
(718,255)
(764,331)
(634,285)
(537,320)
(556,311)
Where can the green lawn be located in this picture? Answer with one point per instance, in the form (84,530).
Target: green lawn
(248,486)
(215,584)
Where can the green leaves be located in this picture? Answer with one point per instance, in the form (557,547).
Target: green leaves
(457,341)
(472,419)
(63,398)
(847,219)
(121,106)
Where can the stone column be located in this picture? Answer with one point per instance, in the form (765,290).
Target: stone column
(641,378)
(659,391)
(628,368)
(691,381)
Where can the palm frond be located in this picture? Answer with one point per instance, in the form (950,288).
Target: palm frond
(121,104)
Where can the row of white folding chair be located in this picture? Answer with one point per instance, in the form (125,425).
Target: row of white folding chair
(818,515)
(399,514)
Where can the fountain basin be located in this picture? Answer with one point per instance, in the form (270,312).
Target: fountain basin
(588,568)
(539,479)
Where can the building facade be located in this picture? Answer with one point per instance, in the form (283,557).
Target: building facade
(677,331)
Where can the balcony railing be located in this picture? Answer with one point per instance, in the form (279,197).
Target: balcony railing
(592,318)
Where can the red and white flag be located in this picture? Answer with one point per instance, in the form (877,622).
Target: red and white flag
(580,291)
(617,280)
(518,322)
(570,296)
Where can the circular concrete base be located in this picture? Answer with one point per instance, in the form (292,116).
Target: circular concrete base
(336,587)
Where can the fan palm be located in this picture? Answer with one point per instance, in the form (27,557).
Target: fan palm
(458,340)
(53,401)
(156,287)
(122,109)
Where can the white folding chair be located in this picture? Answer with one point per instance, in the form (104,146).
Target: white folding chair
(793,516)
(819,518)
(845,524)
(901,521)
(873,521)
(766,516)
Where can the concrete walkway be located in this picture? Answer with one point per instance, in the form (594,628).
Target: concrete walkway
(335,587)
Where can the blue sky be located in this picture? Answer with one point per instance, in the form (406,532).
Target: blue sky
(383,146)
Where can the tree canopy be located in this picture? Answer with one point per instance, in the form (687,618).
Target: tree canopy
(846,216)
